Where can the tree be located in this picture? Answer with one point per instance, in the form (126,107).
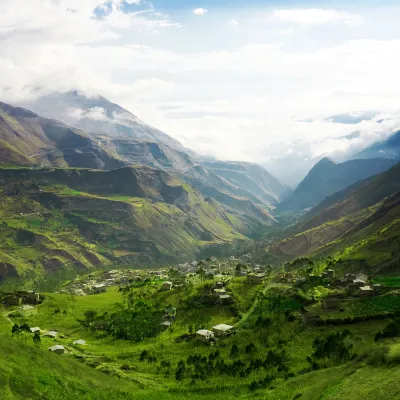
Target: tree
(238,268)
(250,348)
(15,329)
(333,348)
(36,339)
(234,351)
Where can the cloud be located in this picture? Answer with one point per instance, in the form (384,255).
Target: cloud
(316,16)
(351,118)
(231,93)
(200,11)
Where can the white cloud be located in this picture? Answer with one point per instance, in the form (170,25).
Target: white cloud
(316,16)
(231,93)
(200,11)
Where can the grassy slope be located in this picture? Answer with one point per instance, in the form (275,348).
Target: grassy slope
(98,212)
(360,225)
(27,369)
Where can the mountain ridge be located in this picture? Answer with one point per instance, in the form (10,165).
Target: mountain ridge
(328,177)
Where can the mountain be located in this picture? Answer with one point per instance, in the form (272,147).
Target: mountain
(361,223)
(96,114)
(328,177)
(250,180)
(135,142)
(88,217)
(389,148)
(290,168)
(27,138)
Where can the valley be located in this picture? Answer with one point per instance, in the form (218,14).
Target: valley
(134,268)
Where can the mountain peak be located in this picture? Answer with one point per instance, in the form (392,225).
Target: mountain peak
(326,161)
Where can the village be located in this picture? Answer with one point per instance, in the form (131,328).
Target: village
(338,290)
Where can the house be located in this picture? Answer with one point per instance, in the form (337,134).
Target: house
(52,334)
(349,277)
(35,329)
(170,312)
(166,285)
(204,335)
(255,278)
(366,291)
(32,297)
(219,292)
(58,349)
(80,342)
(329,273)
(13,300)
(222,330)
(377,287)
(359,282)
(224,299)
(331,302)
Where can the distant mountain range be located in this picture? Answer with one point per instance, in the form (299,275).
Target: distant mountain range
(131,141)
(328,177)
(389,148)
(360,225)
(135,192)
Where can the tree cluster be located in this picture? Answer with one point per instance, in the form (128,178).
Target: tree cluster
(334,349)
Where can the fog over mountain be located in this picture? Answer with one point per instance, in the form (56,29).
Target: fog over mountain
(236,82)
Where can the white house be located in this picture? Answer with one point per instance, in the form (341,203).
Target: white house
(57,349)
(222,330)
(204,334)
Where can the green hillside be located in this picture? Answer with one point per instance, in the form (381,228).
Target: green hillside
(268,357)
(54,218)
(360,225)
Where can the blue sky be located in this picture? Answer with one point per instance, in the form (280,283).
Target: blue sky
(249,80)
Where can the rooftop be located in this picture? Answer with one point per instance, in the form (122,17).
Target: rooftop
(365,288)
(204,332)
(222,327)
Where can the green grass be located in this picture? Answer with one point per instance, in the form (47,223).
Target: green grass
(389,281)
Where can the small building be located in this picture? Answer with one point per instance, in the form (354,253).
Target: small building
(166,324)
(222,330)
(219,285)
(35,329)
(32,297)
(80,342)
(349,277)
(366,291)
(219,292)
(359,282)
(166,285)
(58,349)
(224,299)
(204,335)
(170,312)
(329,273)
(13,300)
(51,334)
(255,278)
(377,288)
(331,302)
